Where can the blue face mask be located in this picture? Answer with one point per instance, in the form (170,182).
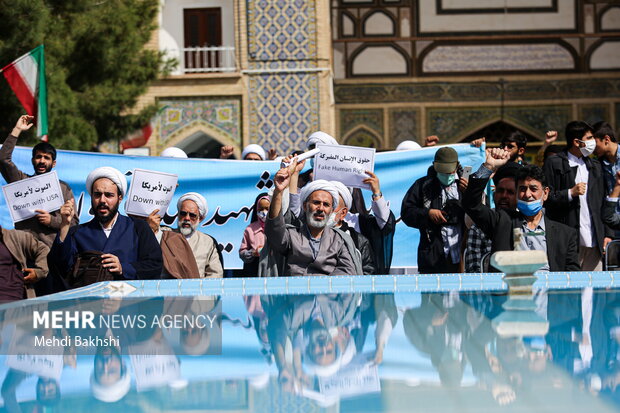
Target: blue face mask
(446,179)
(529,209)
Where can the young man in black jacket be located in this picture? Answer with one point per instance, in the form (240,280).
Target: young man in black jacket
(577,191)
(539,232)
(433,206)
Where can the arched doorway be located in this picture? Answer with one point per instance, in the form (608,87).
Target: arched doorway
(200,145)
(200,142)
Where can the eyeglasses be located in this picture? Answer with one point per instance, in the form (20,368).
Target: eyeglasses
(183,214)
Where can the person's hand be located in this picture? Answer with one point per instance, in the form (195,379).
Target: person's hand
(226,151)
(373,181)
(30,275)
(378,359)
(272,154)
(283,177)
(550,137)
(478,142)
(256,252)
(24,123)
(496,157)
(503,394)
(606,241)
(437,216)
(44,217)
(431,140)
(153,220)
(578,189)
(66,212)
(112,263)
(299,165)
(462,184)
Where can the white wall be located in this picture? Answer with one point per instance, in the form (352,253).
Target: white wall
(171,24)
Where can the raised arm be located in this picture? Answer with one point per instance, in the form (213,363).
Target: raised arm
(484,217)
(9,170)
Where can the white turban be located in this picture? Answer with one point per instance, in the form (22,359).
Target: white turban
(254,148)
(344,193)
(407,145)
(320,185)
(112,392)
(198,199)
(112,174)
(173,152)
(320,137)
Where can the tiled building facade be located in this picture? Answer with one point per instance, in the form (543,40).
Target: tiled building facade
(377,72)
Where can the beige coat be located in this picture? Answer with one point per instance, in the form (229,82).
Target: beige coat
(206,255)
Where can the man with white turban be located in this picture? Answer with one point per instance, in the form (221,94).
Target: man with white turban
(253,152)
(315,139)
(173,152)
(314,248)
(361,242)
(192,209)
(320,137)
(129,248)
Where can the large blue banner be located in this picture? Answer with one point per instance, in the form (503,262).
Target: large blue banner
(231,186)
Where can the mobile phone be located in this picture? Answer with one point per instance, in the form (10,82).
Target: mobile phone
(466,172)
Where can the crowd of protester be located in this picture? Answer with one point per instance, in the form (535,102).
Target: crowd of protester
(565,204)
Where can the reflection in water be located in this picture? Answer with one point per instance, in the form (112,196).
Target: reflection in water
(457,351)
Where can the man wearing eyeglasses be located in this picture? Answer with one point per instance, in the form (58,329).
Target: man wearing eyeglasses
(192,209)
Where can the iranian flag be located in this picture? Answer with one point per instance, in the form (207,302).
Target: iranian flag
(26,76)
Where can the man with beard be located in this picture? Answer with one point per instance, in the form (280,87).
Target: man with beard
(46,224)
(515,144)
(192,209)
(313,248)
(129,248)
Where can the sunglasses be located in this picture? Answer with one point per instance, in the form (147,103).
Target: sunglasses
(183,214)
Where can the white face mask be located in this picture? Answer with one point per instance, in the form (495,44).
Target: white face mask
(589,148)
(262,215)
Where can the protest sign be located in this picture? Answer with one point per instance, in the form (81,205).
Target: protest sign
(39,192)
(347,164)
(154,364)
(46,361)
(150,190)
(360,377)
(231,186)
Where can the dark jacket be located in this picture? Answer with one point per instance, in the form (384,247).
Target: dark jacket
(561,178)
(363,246)
(610,217)
(497,224)
(132,241)
(425,194)
(11,173)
